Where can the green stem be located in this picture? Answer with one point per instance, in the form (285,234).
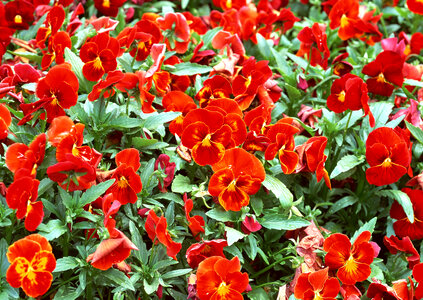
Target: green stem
(272,265)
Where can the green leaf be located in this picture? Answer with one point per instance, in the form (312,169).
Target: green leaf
(233,235)
(264,47)
(145,144)
(219,214)
(136,238)
(294,94)
(342,203)
(119,278)
(298,60)
(190,69)
(369,226)
(150,288)
(280,190)
(258,294)
(381,112)
(184,3)
(208,37)
(94,192)
(66,263)
(77,64)
(125,122)
(29,55)
(154,121)
(4,263)
(181,184)
(345,164)
(45,184)
(415,131)
(176,273)
(53,229)
(253,246)
(403,200)
(281,222)
(282,64)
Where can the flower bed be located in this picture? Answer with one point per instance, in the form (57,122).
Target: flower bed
(222,149)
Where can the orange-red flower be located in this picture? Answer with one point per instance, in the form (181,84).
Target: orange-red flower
(388,155)
(398,291)
(128,183)
(198,252)
(281,136)
(178,101)
(313,158)
(418,276)
(385,72)
(19,14)
(56,49)
(99,55)
(108,7)
(57,91)
(314,41)
(206,135)
(24,160)
(52,24)
(22,195)
(402,226)
(176,31)
(405,245)
(352,263)
(195,223)
(157,228)
(415,6)
(237,176)
(349,92)
(5,121)
(220,278)
(111,251)
(31,264)
(317,285)
(344,14)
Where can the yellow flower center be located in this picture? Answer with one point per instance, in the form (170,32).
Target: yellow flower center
(387,163)
(381,78)
(106,3)
(341,96)
(97,63)
(18,19)
(123,182)
(206,140)
(344,20)
(350,265)
(229,3)
(75,151)
(223,289)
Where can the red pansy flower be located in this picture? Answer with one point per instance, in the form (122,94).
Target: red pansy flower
(352,262)
(312,158)
(385,72)
(5,121)
(402,226)
(55,95)
(157,228)
(22,157)
(128,183)
(349,92)
(398,291)
(19,14)
(405,245)
(22,195)
(316,285)
(178,101)
(214,88)
(418,276)
(168,168)
(111,251)
(52,24)
(99,55)
(281,137)
(105,87)
(73,174)
(31,264)
(220,278)
(198,252)
(314,40)
(238,175)
(250,224)
(206,135)
(344,14)
(388,155)
(176,31)
(56,49)
(415,6)
(108,7)
(195,223)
